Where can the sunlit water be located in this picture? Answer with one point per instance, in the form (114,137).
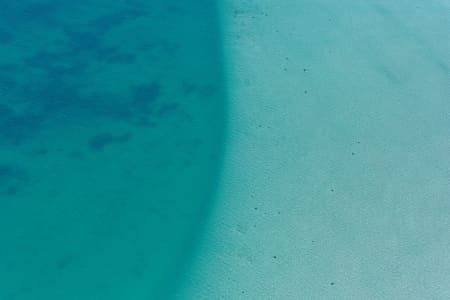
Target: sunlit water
(111,125)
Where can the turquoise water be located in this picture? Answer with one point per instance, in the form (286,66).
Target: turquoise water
(112,119)
(337,176)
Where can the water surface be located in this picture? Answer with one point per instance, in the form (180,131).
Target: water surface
(111,126)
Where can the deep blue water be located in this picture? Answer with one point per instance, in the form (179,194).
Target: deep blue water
(112,117)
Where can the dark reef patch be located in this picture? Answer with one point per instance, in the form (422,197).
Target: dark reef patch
(14,128)
(121,58)
(5,112)
(5,37)
(52,96)
(56,64)
(18,128)
(39,10)
(52,99)
(100,141)
(105,23)
(6,67)
(24,12)
(107,129)
(10,172)
(81,42)
(40,152)
(57,85)
(167,108)
(188,88)
(104,104)
(144,95)
(64,262)
(11,177)
(6,83)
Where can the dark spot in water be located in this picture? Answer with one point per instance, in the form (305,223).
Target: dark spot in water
(84,47)
(20,127)
(353,153)
(76,155)
(138,271)
(14,128)
(53,96)
(64,262)
(139,267)
(147,45)
(382,10)
(56,64)
(145,122)
(58,98)
(11,191)
(105,23)
(40,152)
(11,177)
(39,10)
(167,108)
(7,84)
(107,105)
(122,59)
(5,112)
(332,283)
(145,95)
(9,171)
(188,88)
(6,67)
(101,285)
(275,257)
(41,59)
(82,41)
(443,66)
(208,90)
(100,141)
(24,12)
(103,52)
(168,47)
(5,37)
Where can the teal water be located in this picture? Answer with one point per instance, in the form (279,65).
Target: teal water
(112,117)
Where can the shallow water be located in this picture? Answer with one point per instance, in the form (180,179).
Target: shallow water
(111,133)
(337,178)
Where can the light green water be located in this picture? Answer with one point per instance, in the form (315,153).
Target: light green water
(111,133)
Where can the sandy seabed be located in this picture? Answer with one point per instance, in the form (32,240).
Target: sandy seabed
(337,172)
